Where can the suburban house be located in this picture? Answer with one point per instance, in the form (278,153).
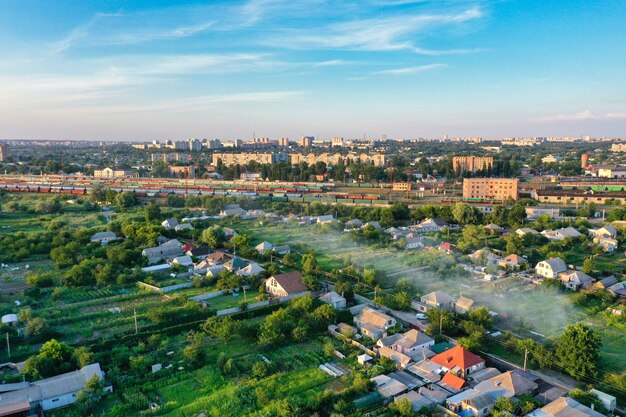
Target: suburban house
(323,219)
(34,398)
(508,384)
(183,226)
(184,260)
(414,243)
(485,257)
(605,283)
(169,223)
(523,231)
(436,299)
(199,252)
(352,225)
(408,343)
(373,323)
(480,405)
(564,406)
(213,271)
(618,290)
(452,382)
(249,270)
(432,225)
(575,280)
(103,237)
(232,210)
(448,248)
(263,247)
(492,227)
(171,248)
(608,244)
(398,357)
(335,300)
(282,250)
(513,261)
(284,285)
(459,361)
(551,268)
(606,231)
(561,234)
(463,305)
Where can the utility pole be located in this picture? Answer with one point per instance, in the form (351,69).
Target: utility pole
(136,327)
(8,345)
(440,323)
(245,296)
(525,357)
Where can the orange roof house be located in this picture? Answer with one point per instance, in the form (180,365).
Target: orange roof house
(453,380)
(459,361)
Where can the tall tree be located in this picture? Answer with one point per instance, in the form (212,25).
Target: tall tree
(578,349)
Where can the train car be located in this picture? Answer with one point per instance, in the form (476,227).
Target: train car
(293,195)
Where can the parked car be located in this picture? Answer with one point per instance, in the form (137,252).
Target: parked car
(421,316)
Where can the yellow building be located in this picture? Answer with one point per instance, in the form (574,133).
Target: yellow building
(471,163)
(490,188)
(112,173)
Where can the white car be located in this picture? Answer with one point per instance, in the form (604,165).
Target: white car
(421,316)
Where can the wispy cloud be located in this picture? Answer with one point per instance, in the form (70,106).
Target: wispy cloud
(79,32)
(410,70)
(583,116)
(378,34)
(332,63)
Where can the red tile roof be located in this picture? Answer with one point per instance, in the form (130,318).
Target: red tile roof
(457,356)
(453,380)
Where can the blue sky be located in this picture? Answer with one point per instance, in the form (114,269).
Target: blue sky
(224,69)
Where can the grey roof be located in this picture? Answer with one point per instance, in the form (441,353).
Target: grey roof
(103,235)
(557,264)
(481,401)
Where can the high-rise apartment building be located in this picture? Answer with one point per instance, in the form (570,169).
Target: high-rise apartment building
(471,163)
(490,188)
(306,141)
(4,151)
(283,142)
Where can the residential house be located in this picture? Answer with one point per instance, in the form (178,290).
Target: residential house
(229,233)
(551,268)
(560,234)
(373,323)
(608,244)
(35,398)
(181,227)
(236,263)
(606,231)
(169,223)
(232,210)
(513,261)
(263,247)
(335,300)
(492,227)
(605,283)
(459,361)
(436,299)
(249,270)
(284,285)
(103,238)
(485,257)
(184,260)
(408,343)
(565,407)
(463,305)
(214,271)
(400,358)
(432,225)
(389,387)
(353,224)
(201,267)
(282,250)
(171,248)
(414,243)
(452,382)
(618,290)
(480,405)
(323,219)
(418,401)
(575,280)
(508,384)
(448,248)
(218,257)
(523,231)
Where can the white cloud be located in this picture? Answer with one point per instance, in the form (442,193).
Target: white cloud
(583,116)
(378,34)
(410,70)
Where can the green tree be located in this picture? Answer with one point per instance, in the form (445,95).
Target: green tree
(152,212)
(439,318)
(588,266)
(577,350)
(481,316)
(88,397)
(309,263)
(213,236)
(402,407)
(126,199)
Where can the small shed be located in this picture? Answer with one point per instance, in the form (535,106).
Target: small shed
(364,358)
(9,320)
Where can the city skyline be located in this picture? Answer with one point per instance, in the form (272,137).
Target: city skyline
(402,68)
